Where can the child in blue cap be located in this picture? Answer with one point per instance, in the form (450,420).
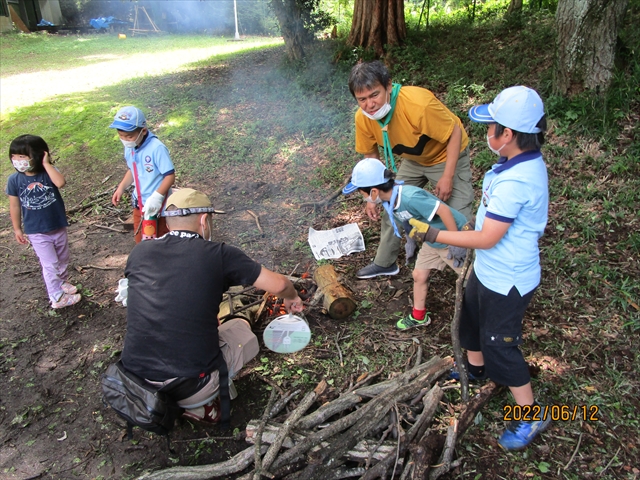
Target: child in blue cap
(149,168)
(404,202)
(511,219)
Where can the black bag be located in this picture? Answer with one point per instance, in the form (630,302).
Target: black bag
(138,402)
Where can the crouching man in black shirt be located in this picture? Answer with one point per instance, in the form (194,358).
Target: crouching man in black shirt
(175,288)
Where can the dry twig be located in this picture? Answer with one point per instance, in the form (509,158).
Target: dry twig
(306,402)
(257,219)
(265,416)
(447,452)
(323,203)
(455,328)
(575,451)
(105,227)
(85,267)
(94,200)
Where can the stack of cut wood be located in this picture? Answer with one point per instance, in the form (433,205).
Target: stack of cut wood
(380,430)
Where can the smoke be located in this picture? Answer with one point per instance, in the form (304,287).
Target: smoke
(214,17)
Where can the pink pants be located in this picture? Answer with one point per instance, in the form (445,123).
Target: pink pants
(52,249)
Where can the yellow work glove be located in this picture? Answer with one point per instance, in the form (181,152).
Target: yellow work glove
(423,232)
(470,225)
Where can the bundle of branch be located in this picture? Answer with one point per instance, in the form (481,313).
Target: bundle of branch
(380,430)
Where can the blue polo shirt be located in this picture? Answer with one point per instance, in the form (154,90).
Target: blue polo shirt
(516,192)
(414,202)
(153,164)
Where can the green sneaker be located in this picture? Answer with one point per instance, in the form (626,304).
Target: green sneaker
(410,322)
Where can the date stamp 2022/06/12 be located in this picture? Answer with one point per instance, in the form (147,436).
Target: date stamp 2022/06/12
(557,413)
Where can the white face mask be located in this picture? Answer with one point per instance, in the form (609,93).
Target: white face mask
(209,226)
(381,113)
(131,143)
(376,201)
(21,165)
(497,152)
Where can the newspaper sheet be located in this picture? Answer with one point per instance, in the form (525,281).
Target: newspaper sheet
(329,244)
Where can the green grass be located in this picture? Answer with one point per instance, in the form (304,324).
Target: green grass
(25,53)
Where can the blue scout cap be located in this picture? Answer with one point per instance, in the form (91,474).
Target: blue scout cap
(519,108)
(128,119)
(368,172)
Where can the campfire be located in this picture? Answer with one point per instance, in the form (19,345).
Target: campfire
(257,306)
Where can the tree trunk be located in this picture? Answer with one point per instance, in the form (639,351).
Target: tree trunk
(514,7)
(377,23)
(586,37)
(291,26)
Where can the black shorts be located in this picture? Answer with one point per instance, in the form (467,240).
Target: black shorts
(491,323)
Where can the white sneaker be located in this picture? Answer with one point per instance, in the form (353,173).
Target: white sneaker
(69,289)
(66,300)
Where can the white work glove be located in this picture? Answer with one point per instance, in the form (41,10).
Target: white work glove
(122,291)
(153,205)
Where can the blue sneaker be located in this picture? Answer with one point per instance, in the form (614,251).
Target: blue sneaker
(520,434)
(454,374)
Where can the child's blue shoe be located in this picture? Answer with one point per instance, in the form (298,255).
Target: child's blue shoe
(454,374)
(520,434)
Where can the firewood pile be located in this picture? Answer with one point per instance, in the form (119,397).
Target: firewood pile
(372,430)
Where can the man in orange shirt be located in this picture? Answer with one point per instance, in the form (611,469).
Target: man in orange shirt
(429,138)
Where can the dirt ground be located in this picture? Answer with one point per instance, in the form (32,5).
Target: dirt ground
(53,424)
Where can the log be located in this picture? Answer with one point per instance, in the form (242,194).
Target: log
(447,452)
(424,453)
(338,301)
(471,409)
(203,472)
(359,453)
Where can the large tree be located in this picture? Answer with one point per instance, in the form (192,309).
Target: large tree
(587,31)
(299,21)
(515,7)
(377,23)
(291,26)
